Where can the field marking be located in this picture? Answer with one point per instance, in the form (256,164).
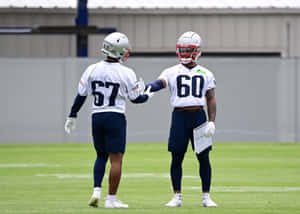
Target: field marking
(141,210)
(154,175)
(138,209)
(28,165)
(248,189)
(166,175)
(125,175)
(62,176)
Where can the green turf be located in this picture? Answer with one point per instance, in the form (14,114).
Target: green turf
(247,178)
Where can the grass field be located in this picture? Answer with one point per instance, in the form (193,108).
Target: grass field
(57,178)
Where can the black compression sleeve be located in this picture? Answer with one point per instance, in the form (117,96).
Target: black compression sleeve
(156,85)
(78,102)
(140,99)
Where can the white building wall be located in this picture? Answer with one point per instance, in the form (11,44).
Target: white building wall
(257,100)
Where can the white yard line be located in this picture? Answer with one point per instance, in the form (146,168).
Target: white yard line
(166,175)
(248,189)
(141,210)
(49,211)
(125,175)
(63,176)
(28,165)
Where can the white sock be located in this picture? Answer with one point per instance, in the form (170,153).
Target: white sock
(205,195)
(178,195)
(97,192)
(111,197)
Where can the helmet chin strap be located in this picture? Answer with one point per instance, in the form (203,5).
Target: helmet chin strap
(111,59)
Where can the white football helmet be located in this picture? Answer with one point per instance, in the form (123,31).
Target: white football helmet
(188,47)
(116,45)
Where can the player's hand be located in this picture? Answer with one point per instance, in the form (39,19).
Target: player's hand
(210,129)
(148,92)
(70,124)
(141,85)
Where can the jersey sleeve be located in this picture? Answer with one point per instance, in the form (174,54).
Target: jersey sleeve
(132,86)
(211,81)
(164,76)
(83,86)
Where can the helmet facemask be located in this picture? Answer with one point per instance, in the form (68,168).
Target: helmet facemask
(187,53)
(124,54)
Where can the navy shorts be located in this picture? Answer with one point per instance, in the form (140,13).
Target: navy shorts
(109,132)
(182,125)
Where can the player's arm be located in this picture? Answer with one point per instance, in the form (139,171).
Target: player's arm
(211,104)
(77,104)
(71,120)
(79,100)
(156,85)
(211,111)
(136,90)
(150,88)
(142,98)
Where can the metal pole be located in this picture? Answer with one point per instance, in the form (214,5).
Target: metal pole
(82,20)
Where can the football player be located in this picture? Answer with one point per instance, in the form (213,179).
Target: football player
(110,83)
(192,87)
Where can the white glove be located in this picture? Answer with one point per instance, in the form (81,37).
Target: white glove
(70,124)
(141,85)
(148,92)
(210,129)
